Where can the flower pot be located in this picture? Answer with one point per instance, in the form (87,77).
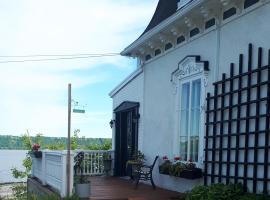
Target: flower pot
(107,165)
(191,173)
(135,169)
(37,154)
(83,190)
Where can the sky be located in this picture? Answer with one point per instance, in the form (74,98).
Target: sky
(33,95)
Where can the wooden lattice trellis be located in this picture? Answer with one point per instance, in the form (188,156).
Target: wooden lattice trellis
(238,126)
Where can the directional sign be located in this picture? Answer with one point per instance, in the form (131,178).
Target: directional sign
(78,111)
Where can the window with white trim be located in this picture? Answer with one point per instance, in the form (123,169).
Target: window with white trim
(189,82)
(190,105)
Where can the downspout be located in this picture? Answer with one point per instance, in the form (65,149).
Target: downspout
(217,52)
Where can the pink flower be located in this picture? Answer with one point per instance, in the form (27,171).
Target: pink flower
(165,158)
(177,158)
(35,147)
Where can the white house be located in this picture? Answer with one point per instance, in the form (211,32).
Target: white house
(162,107)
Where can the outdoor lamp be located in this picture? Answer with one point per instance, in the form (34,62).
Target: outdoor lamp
(112,123)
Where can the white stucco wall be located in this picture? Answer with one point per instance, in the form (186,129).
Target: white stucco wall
(133,91)
(154,90)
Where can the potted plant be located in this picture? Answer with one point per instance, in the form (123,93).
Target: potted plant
(164,168)
(82,183)
(35,151)
(181,169)
(107,162)
(135,163)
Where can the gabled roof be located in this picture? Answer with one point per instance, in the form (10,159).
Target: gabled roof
(165,9)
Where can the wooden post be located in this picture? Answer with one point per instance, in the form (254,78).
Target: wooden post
(68,140)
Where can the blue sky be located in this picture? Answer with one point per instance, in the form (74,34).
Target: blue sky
(34,94)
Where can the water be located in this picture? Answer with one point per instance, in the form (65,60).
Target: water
(8,160)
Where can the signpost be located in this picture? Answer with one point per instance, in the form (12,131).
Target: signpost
(75,110)
(68,140)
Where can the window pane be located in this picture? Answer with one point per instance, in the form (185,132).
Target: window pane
(184,114)
(183,147)
(195,119)
(194,145)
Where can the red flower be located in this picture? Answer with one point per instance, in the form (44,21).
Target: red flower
(35,147)
(177,158)
(165,158)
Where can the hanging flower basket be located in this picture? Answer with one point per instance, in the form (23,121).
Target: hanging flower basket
(35,151)
(38,154)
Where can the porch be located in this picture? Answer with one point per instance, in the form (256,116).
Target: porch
(49,171)
(113,188)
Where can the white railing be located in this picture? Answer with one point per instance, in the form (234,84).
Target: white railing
(51,170)
(93,162)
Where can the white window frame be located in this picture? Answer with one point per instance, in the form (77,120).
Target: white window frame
(188,71)
(181,82)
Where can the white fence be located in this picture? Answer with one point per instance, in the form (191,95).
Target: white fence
(93,162)
(51,169)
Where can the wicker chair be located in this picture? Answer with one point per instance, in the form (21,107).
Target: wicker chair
(145,173)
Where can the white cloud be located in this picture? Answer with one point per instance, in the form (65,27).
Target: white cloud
(32,92)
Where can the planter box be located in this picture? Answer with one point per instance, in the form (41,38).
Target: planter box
(161,171)
(195,173)
(191,174)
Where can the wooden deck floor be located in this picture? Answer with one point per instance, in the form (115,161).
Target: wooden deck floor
(111,188)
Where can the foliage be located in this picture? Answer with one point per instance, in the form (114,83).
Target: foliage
(164,168)
(107,156)
(74,140)
(177,168)
(137,158)
(222,192)
(81,179)
(54,143)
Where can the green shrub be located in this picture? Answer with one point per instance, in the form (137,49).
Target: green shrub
(222,192)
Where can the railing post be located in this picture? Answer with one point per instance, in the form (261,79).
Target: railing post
(43,163)
(71,172)
(63,191)
(112,165)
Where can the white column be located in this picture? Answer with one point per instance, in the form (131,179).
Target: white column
(63,192)
(43,163)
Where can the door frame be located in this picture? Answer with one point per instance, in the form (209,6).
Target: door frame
(121,155)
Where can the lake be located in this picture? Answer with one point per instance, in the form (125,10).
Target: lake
(8,160)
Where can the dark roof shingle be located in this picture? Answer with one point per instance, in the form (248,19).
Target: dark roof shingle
(165,9)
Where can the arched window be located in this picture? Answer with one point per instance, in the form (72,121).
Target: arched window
(228,13)
(194,32)
(249,3)
(157,52)
(168,46)
(181,39)
(148,57)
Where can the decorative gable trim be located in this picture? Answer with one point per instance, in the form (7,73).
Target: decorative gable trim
(190,65)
